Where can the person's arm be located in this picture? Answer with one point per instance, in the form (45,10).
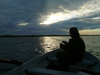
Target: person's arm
(64,42)
(63,45)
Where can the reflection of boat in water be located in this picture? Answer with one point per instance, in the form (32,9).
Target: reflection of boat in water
(37,66)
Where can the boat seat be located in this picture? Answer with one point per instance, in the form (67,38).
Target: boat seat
(42,71)
(85,63)
(53,59)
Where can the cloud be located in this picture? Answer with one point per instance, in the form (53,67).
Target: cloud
(23,24)
(72,9)
(21,10)
(18,13)
(47,16)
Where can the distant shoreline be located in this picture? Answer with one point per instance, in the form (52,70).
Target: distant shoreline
(38,35)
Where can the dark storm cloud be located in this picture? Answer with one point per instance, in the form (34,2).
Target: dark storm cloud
(21,10)
(14,12)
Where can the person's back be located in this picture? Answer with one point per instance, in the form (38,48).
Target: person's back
(76,49)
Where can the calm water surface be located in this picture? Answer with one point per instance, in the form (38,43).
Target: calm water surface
(26,48)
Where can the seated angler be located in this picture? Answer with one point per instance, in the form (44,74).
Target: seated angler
(73,51)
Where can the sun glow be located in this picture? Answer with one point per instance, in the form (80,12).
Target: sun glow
(60,16)
(52,18)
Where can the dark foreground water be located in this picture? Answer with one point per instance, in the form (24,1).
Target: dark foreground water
(26,48)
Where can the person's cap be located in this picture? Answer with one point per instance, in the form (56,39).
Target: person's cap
(73,30)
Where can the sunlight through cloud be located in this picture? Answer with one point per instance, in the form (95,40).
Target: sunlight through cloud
(96,18)
(23,24)
(60,16)
(89,8)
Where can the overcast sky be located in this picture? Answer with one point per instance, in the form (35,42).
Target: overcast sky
(49,17)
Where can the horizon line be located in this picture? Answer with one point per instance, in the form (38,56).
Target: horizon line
(38,35)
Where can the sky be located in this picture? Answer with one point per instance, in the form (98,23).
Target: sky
(49,17)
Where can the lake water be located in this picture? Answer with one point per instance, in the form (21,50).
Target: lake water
(26,48)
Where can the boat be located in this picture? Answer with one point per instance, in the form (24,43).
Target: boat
(37,66)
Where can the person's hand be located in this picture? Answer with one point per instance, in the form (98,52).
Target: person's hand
(64,42)
(61,45)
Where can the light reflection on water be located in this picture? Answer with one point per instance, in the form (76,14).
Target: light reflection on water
(49,44)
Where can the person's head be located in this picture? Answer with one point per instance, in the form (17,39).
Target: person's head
(73,32)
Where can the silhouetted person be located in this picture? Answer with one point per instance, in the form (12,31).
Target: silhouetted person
(73,51)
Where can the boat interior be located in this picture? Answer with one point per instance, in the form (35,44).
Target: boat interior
(87,63)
